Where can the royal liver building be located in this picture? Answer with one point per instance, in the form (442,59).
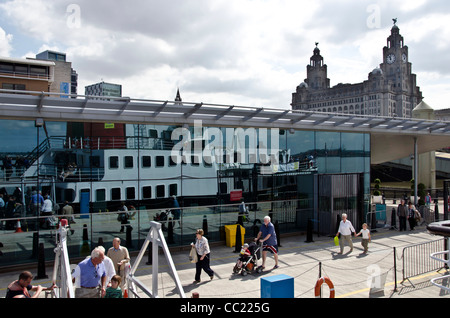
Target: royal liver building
(390,90)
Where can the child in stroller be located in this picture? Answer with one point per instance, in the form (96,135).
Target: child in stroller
(248,259)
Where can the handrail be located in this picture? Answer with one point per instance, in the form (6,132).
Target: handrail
(447,263)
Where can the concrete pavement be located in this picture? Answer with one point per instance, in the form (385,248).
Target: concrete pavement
(351,273)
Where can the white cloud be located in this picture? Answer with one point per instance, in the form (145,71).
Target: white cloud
(242,52)
(5,43)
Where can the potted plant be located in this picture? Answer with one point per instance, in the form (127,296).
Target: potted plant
(376,193)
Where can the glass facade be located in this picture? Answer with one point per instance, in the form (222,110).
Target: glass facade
(290,175)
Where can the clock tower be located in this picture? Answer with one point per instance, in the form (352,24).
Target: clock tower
(316,71)
(397,71)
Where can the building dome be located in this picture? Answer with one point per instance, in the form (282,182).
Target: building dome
(377,71)
(423,111)
(303,85)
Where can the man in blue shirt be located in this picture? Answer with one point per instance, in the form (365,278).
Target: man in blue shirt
(269,241)
(91,275)
(36,202)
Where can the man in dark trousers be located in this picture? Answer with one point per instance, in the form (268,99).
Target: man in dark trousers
(402,212)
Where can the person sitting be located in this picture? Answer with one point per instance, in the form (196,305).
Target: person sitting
(21,288)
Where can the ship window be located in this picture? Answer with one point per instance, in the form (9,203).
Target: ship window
(147,192)
(113,162)
(94,161)
(173,189)
(160,161)
(146,162)
(101,195)
(160,192)
(171,162)
(128,162)
(115,194)
(131,193)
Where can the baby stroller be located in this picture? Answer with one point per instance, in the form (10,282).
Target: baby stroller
(248,263)
(164,217)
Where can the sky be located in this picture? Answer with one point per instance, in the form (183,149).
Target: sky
(232,52)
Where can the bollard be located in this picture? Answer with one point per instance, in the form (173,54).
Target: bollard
(41,262)
(170,239)
(85,233)
(85,249)
(393,220)
(34,253)
(100,242)
(277,233)
(373,222)
(309,232)
(205,225)
(129,242)
(436,211)
(237,245)
(195,295)
(338,222)
(149,256)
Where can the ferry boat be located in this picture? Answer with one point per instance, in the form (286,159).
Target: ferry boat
(134,164)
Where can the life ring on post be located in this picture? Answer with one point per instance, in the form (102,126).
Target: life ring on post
(319,283)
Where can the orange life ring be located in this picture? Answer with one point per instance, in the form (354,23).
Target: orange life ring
(319,283)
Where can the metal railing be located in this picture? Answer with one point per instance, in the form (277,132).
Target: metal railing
(442,257)
(62,277)
(179,230)
(417,261)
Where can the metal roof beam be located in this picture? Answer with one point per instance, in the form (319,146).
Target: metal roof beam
(361,123)
(256,113)
(300,118)
(124,106)
(224,113)
(160,109)
(344,120)
(194,109)
(281,115)
(41,102)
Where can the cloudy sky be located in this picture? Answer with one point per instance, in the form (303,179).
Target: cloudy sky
(238,52)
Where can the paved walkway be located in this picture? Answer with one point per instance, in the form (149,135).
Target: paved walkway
(351,273)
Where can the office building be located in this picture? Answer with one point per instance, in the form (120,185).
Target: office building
(390,89)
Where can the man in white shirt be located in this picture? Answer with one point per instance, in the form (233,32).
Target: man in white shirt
(345,230)
(109,266)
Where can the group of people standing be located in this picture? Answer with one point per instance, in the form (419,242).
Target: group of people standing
(407,213)
(98,276)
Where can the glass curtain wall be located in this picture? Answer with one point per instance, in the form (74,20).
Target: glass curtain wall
(97,168)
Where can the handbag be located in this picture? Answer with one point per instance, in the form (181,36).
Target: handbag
(193,255)
(336,240)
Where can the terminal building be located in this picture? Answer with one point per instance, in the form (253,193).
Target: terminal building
(297,166)
(192,163)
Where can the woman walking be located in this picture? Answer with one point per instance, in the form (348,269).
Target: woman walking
(411,216)
(203,256)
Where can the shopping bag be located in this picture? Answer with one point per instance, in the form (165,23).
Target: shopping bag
(336,240)
(193,255)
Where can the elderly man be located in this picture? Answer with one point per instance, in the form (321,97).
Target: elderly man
(92,275)
(345,230)
(120,256)
(269,241)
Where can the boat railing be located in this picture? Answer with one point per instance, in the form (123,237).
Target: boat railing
(118,142)
(54,173)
